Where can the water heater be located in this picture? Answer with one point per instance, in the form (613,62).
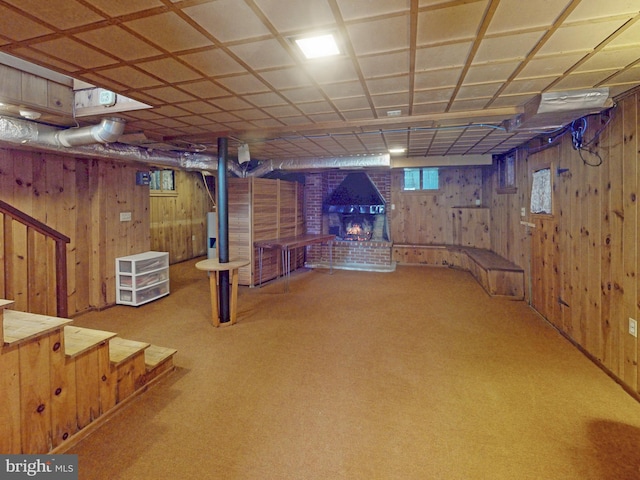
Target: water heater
(212,235)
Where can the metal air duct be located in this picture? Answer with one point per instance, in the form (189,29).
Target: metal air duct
(107,131)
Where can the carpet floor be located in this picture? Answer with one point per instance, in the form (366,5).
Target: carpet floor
(413,374)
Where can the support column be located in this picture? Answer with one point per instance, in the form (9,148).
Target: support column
(223,230)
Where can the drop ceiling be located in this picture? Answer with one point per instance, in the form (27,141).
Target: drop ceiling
(434,77)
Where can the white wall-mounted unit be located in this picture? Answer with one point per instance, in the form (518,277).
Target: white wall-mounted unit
(553,110)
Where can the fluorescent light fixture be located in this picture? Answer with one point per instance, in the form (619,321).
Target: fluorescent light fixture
(397,150)
(318,46)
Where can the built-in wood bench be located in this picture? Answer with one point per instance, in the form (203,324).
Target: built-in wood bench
(497,275)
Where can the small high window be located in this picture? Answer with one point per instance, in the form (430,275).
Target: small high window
(162,182)
(507,174)
(421,179)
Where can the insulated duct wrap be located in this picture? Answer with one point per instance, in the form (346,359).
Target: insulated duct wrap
(26,134)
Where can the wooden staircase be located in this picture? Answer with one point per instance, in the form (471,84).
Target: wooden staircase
(59,382)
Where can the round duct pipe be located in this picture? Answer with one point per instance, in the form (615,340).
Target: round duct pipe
(107,131)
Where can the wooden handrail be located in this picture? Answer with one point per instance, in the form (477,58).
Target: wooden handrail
(60,252)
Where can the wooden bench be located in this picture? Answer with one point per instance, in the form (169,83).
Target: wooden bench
(497,275)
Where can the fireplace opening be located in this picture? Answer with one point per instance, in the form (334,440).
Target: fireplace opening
(355,211)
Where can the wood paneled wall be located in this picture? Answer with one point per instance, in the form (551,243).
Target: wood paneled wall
(179,223)
(581,261)
(82,199)
(428,217)
(263,209)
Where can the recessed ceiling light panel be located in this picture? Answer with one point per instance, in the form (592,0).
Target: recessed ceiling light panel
(318,46)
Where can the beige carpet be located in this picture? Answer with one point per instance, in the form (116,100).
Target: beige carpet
(415,374)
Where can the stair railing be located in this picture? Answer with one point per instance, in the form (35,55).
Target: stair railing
(11,214)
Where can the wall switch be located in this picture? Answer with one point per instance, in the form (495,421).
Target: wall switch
(523,212)
(478,202)
(125,216)
(633,327)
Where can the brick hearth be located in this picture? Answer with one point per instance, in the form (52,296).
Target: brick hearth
(346,254)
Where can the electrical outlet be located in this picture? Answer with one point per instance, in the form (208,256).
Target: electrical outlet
(523,212)
(633,327)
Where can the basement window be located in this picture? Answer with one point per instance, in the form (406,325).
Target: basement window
(507,174)
(416,179)
(163,183)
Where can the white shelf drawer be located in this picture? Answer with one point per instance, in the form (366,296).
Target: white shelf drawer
(142,278)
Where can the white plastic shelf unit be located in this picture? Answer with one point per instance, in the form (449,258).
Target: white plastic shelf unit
(142,278)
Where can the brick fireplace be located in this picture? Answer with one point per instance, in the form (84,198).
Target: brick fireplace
(355,253)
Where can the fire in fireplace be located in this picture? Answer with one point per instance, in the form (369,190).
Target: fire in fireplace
(357,228)
(355,210)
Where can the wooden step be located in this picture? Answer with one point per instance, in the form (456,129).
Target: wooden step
(20,327)
(158,361)
(3,304)
(78,340)
(128,360)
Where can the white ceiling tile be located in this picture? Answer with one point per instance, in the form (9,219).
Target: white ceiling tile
(630,37)
(542,66)
(388,85)
(119,42)
(243,84)
(294,15)
(487,90)
(168,31)
(286,78)
(265,99)
(376,36)
(18,27)
(528,85)
(263,54)
(583,37)
(454,23)
(61,14)
(385,64)
(391,100)
(515,15)
(592,9)
(169,70)
(332,71)
(214,17)
(305,94)
(444,56)
(516,46)
(610,58)
(213,62)
(487,73)
(582,80)
(351,10)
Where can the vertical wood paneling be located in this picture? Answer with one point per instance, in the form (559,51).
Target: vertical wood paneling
(586,253)
(35,391)
(629,234)
(426,217)
(10,438)
(262,209)
(178,224)
(81,199)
